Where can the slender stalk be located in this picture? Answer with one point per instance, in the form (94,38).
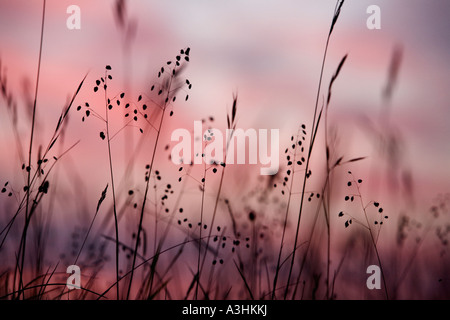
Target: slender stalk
(313,129)
(326,196)
(212,224)
(231,125)
(143,204)
(30,151)
(308,243)
(373,242)
(116,224)
(277,270)
(147,185)
(201,224)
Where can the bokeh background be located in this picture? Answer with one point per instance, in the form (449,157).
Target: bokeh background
(270,53)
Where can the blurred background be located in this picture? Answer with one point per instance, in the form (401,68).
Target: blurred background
(270,54)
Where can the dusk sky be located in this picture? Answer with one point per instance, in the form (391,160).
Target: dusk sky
(268,52)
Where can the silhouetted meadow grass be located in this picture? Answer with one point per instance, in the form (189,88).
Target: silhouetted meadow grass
(308,232)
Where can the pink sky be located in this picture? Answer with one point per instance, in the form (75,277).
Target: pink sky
(269,52)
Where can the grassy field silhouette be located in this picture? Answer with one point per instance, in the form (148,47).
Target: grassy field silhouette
(155,229)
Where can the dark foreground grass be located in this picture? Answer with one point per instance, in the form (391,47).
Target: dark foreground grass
(288,236)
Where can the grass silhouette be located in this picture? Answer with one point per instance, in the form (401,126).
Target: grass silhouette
(211,246)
